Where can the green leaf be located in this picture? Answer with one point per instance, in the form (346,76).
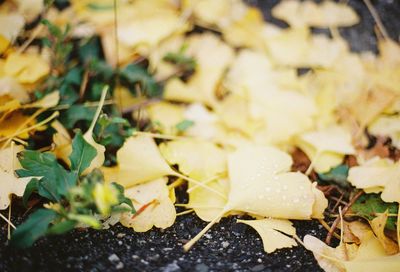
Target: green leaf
(62,227)
(121,196)
(82,154)
(337,175)
(186,63)
(135,74)
(368,205)
(76,113)
(32,229)
(99,7)
(55,181)
(184,125)
(90,49)
(53,29)
(31,187)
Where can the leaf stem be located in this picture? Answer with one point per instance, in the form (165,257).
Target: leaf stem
(8,221)
(189,244)
(179,175)
(338,219)
(98,110)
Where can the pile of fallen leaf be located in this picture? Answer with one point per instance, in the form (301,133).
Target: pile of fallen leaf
(207,96)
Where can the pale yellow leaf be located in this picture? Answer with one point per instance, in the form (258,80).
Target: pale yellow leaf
(326,147)
(48,101)
(10,185)
(62,141)
(308,13)
(388,126)
(26,67)
(165,116)
(272,232)
(378,226)
(263,173)
(10,26)
(139,160)
(198,159)
(161,213)
(212,56)
(378,175)
(208,206)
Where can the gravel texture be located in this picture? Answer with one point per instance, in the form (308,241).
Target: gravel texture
(228,246)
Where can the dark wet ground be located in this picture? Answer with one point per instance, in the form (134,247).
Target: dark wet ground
(226,247)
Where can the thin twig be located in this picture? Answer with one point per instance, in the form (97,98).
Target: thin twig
(140,105)
(337,220)
(85,81)
(338,202)
(327,227)
(377,19)
(185,212)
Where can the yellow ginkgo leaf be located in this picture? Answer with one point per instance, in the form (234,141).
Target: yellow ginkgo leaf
(290,46)
(166,116)
(246,30)
(329,259)
(10,26)
(261,185)
(10,185)
(285,114)
(26,67)
(48,101)
(272,232)
(163,69)
(326,147)
(203,161)
(197,159)
(30,9)
(205,122)
(153,197)
(212,56)
(263,172)
(308,13)
(62,141)
(378,175)
(139,160)
(207,206)
(8,158)
(148,32)
(250,72)
(371,256)
(212,13)
(388,126)
(234,113)
(10,87)
(370,104)
(15,122)
(378,226)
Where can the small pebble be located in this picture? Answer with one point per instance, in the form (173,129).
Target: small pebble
(201,268)
(258,267)
(113,258)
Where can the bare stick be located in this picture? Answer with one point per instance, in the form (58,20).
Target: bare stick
(189,244)
(377,19)
(338,219)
